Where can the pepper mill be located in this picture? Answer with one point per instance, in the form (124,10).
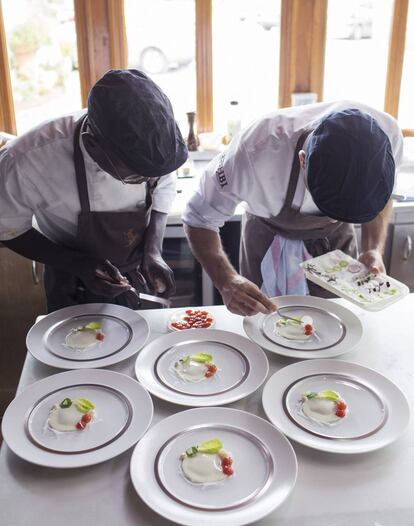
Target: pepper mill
(192,139)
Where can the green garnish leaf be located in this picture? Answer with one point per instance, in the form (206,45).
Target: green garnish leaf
(84,405)
(210,446)
(65,403)
(93,325)
(191,451)
(343,263)
(329,395)
(201,357)
(311,395)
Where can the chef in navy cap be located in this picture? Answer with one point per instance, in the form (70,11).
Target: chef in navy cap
(88,194)
(306,174)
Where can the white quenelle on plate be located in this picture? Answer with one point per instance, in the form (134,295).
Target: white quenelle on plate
(335,406)
(87,336)
(192,490)
(46,425)
(201,368)
(335,329)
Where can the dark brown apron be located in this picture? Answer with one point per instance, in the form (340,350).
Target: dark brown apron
(116,236)
(320,234)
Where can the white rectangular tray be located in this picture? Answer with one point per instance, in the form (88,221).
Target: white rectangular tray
(348,278)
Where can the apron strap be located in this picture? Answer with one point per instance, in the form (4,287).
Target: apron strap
(81,180)
(295,170)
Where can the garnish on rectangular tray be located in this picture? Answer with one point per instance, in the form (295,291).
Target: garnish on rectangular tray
(347,277)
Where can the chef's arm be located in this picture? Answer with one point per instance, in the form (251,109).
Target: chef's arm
(158,274)
(240,295)
(374,235)
(34,245)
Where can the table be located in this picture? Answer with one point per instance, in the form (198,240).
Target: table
(373,489)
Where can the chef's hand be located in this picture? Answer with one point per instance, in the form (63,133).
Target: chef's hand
(243,297)
(102,278)
(159,276)
(372,259)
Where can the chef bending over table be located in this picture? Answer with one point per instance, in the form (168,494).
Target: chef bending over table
(306,175)
(98,184)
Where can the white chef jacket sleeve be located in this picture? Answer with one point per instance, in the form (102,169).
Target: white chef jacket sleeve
(164,194)
(219,190)
(397,145)
(16,199)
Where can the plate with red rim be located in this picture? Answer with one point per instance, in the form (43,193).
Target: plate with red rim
(377,412)
(191,319)
(123,407)
(264,468)
(123,331)
(241,367)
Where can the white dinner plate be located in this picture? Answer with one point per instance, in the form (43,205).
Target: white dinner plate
(378,412)
(264,463)
(242,367)
(124,412)
(337,329)
(124,329)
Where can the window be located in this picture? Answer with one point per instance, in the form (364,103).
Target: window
(406,107)
(357,43)
(246,39)
(41,39)
(161,42)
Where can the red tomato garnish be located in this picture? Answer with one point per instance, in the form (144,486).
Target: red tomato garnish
(308,329)
(212,368)
(228,470)
(209,374)
(340,412)
(86,418)
(341,405)
(80,425)
(100,336)
(227,461)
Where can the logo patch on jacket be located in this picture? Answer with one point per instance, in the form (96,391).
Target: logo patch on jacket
(221,176)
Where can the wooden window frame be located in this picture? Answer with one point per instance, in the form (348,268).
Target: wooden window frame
(7,115)
(302,48)
(101,38)
(396,60)
(102,45)
(204,64)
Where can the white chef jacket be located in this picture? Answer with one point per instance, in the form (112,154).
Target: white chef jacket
(257,164)
(37,180)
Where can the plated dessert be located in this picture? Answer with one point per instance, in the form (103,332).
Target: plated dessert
(207,463)
(195,367)
(191,319)
(85,336)
(325,407)
(72,415)
(298,328)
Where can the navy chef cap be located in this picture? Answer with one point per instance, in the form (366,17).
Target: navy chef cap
(132,117)
(350,166)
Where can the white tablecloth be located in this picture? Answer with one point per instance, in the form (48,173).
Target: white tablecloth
(374,489)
